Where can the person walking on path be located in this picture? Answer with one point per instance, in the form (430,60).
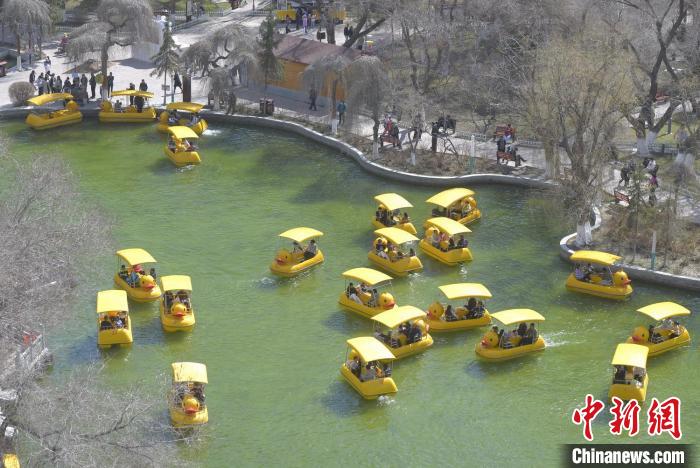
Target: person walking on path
(110,84)
(287,22)
(143,86)
(345,31)
(177,83)
(305,22)
(341,108)
(312,99)
(40,84)
(93,83)
(32,77)
(47,64)
(83,82)
(231,109)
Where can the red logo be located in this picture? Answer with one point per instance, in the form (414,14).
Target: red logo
(587,414)
(665,417)
(625,417)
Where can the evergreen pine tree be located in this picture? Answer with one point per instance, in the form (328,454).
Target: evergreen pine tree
(166,61)
(268,64)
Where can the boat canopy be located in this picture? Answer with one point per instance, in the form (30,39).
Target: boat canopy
(511,316)
(664,310)
(133,92)
(189,372)
(395,317)
(301,234)
(10,460)
(367,275)
(396,235)
(182,132)
(465,290)
(448,226)
(112,300)
(135,256)
(185,107)
(593,256)
(176,283)
(634,355)
(47,98)
(448,197)
(370,349)
(393,201)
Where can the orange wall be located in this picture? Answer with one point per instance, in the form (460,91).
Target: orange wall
(292,79)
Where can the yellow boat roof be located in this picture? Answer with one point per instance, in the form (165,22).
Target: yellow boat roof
(393,201)
(464,290)
(511,316)
(367,276)
(593,256)
(189,372)
(664,310)
(395,317)
(448,226)
(185,106)
(627,354)
(10,460)
(47,98)
(135,256)
(182,132)
(133,92)
(301,234)
(396,235)
(448,197)
(176,283)
(370,349)
(112,300)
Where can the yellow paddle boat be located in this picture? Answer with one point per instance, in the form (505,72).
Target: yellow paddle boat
(458,204)
(367,367)
(403,331)
(389,213)
(139,285)
(10,460)
(630,377)
(441,243)
(300,258)
(186,399)
(176,312)
(364,298)
(446,317)
(501,345)
(69,115)
(667,334)
(116,112)
(390,253)
(113,322)
(597,274)
(179,149)
(170,117)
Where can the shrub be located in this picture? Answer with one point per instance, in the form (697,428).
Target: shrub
(20,92)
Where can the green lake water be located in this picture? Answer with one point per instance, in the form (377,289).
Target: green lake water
(273,347)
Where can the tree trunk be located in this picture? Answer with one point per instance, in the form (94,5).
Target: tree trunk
(583,233)
(642,147)
(334,99)
(104,59)
(550,154)
(651,138)
(165,91)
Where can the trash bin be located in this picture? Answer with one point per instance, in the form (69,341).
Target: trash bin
(262,106)
(269,106)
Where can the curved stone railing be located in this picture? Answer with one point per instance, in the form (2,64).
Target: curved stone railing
(565,252)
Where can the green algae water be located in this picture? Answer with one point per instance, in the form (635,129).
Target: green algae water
(273,347)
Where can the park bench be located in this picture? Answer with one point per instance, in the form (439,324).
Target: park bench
(621,197)
(504,156)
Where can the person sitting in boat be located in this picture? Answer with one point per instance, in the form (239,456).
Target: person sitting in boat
(451,244)
(378,215)
(198,392)
(531,335)
(578,272)
(368,373)
(118,106)
(173,118)
(405,219)
(194,120)
(450,315)
(522,329)
(118,322)
(152,273)
(373,298)
(351,293)
(133,278)
(183,298)
(189,146)
(508,338)
(105,324)
(462,243)
(123,274)
(435,239)
(353,364)
(620,375)
(311,250)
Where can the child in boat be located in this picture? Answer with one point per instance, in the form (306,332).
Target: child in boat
(449,314)
(311,250)
(405,219)
(351,292)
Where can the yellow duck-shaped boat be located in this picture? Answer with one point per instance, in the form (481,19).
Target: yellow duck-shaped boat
(403,331)
(132,278)
(365,298)
(128,114)
(70,115)
(301,258)
(630,379)
(496,346)
(605,279)
(176,311)
(472,315)
(457,204)
(389,252)
(368,368)
(440,241)
(169,117)
(667,334)
(179,149)
(113,321)
(186,399)
(388,213)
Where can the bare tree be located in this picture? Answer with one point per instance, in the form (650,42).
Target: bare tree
(228,46)
(371,14)
(117,22)
(331,70)
(24,17)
